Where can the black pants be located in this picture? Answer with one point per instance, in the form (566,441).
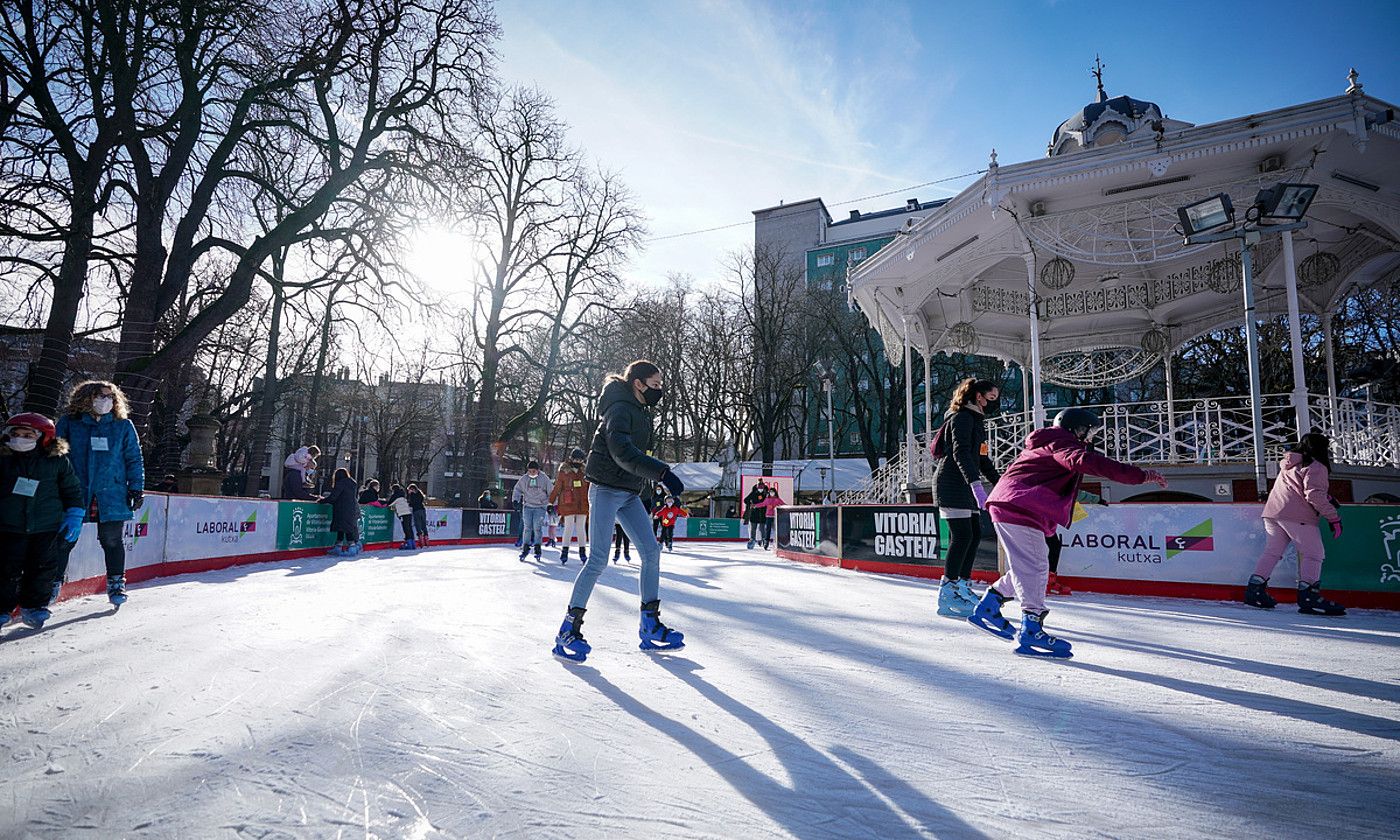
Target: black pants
(964,535)
(668,535)
(1054,543)
(407,522)
(109,536)
(620,541)
(29,565)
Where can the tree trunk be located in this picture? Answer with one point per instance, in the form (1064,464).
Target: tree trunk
(44,390)
(267,410)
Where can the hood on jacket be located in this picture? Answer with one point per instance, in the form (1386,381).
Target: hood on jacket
(1047,436)
(615,391)
(1291,461)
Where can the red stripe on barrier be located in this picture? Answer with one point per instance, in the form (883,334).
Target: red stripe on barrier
(804,557)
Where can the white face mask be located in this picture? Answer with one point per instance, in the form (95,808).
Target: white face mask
(22,444)
(102,405)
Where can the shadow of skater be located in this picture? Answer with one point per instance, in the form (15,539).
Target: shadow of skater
(930,816)
(21,631)
(1296,709)
(824,801)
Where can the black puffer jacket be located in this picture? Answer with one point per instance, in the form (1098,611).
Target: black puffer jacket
(345,506)
(618,455)
(58,488)
(964,461)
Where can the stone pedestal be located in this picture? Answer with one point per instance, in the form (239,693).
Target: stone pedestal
(201,476)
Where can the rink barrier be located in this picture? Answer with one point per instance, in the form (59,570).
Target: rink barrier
(184,534)
(1186,550)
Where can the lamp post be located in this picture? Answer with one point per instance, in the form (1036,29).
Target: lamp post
(828,378)
(1213,220)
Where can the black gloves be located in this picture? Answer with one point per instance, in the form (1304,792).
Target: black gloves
(673,484)
(135,499)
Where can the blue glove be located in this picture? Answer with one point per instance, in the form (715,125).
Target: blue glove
(673,484)
(72,524)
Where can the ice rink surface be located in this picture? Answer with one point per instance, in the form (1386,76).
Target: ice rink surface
(414,696)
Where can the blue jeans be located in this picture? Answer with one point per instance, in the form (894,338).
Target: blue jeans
(606,506)
(534,523)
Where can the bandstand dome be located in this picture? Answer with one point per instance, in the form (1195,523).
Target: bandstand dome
(1107,121)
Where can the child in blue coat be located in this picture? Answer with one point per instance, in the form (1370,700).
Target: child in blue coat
(106,455)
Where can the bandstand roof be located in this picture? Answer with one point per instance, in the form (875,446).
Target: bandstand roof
(1096,230)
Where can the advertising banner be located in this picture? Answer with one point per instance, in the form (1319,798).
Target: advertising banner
(444,523)
(304,525)
(199,527)
(143,536)
(702,528)
(809,530)
(893,534)
(377,525)
(1185,543)
(1367,557)
(498,524)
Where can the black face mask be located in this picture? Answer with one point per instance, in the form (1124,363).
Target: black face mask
(993,407)
(652,396)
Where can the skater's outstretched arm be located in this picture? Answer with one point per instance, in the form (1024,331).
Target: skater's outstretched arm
(1075,456)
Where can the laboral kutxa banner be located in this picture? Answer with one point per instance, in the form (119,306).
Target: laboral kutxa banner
(143,536)
(1184,543)
(444,523)
(892,534)
(207,526)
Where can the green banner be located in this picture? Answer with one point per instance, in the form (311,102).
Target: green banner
(1367,557)
(699,527)
(308,525)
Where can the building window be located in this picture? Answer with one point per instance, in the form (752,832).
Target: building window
(826,260)
(856,255)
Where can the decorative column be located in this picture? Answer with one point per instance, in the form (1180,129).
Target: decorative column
(1171,403)
(908,414)
(928,394)
(1295,336)
(1038,404)
(1331,366)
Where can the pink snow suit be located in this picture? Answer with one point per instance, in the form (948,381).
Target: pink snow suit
(772,503)
(1296,503)
(1034,497)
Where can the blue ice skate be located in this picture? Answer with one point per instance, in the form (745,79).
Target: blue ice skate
(354,549)
(34,618)
(116,590)
(951,602)
(987,615)
(408,545)
(1034,641)
(654,634)
(570,645)
(336,551)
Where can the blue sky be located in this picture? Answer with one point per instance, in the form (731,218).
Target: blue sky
(713,109)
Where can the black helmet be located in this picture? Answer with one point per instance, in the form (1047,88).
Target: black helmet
(577,454)
(1074,419)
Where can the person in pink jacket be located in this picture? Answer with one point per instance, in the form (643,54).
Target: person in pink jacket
(1035,497)
(771,502)
(1296,504)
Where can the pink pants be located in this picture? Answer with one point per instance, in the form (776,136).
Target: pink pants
(1028,565)
(1308,540)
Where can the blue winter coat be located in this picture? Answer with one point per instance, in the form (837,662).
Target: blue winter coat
(106,455)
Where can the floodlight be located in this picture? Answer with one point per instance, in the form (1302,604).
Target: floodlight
(1211,214)
(1285,202)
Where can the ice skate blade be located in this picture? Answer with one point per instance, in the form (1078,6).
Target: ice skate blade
(1008,634)
(570,658)
(954,612)
(658,647)
(1043,654)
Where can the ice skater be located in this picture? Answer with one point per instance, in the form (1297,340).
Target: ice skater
(532,493)
(345,515)
(619,468)
(41,516)
(961,477)
(570,500)
(1296,505)
(1036,495)
(667,516)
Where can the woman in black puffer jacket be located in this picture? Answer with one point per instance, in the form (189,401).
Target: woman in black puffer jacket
(619,468)
(960,492)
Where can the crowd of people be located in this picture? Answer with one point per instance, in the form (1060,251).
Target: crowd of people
(86,466)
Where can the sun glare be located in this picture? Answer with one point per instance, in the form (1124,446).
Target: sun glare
(444,259)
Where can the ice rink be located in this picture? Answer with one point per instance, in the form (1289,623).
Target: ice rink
(414,696)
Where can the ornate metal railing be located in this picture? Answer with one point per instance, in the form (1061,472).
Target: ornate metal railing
(1202,431)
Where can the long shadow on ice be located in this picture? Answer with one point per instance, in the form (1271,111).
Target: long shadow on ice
(825,801)
(1297,709)
(1303,676)
(931,816)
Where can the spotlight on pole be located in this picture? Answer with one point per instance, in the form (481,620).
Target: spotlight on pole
(1211,214)
(1284,203)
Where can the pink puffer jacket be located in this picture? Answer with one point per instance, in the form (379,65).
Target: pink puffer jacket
(1300,493)
(1039,488)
